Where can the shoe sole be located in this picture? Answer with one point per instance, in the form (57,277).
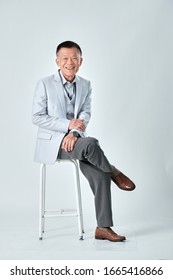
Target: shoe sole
(101,238)
(127,189)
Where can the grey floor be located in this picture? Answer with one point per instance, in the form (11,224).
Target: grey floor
(150,239)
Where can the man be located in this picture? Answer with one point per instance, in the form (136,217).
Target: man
(62,110)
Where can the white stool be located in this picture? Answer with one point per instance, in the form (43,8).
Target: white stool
(43,213)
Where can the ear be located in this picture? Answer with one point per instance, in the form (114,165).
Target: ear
(57,61)
(81,60)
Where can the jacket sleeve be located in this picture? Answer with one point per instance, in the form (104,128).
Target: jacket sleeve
(40,116)
(85,111)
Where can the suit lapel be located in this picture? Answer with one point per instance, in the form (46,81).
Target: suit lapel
(79,96)
(60,92)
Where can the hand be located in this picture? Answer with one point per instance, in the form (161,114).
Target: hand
(77,124)
(69,142)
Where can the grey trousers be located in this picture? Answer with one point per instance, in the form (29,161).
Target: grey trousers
(97,170)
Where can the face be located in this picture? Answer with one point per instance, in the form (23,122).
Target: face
(69,60)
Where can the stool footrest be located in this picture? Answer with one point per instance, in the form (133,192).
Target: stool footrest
(60,213)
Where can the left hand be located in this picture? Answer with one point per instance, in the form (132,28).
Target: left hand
(69,142)
(77,124)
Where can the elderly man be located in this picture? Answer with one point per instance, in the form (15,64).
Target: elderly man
(62,110)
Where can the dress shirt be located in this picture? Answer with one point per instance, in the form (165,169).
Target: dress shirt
(69,92)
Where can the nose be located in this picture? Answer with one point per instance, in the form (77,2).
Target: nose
(70,61)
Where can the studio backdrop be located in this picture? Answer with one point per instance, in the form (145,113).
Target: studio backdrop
(127,55)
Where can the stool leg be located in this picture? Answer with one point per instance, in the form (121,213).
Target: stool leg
(78,199)
(42,200)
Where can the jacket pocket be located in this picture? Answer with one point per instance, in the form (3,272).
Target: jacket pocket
(44,135)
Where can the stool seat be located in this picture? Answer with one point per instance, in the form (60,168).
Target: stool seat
(45,213)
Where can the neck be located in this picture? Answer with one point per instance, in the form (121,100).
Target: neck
(69,78)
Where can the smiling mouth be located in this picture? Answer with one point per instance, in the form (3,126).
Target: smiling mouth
(69,69)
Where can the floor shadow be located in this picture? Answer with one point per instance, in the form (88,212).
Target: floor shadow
(153,227)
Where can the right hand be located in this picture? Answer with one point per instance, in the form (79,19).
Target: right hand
(69,142)
(77,124)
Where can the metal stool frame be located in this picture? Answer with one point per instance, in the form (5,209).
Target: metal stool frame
(43,213)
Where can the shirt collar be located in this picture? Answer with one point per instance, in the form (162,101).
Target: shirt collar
(64,81)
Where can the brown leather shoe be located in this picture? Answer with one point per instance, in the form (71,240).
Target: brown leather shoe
(122,181)
(108,234)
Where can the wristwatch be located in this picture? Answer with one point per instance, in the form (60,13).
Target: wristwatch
(76,134)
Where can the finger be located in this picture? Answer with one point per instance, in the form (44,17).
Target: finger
(82,128)
(65,145)
(81,125)
(71,145)
(68,147)
(62,146)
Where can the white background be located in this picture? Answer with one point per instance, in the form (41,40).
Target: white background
(127,50)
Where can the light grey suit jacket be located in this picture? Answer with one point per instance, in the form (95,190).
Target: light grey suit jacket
(49,114)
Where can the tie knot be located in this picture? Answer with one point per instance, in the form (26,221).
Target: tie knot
(69,85)
(70,89)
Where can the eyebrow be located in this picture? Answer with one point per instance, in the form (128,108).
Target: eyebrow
(67,55)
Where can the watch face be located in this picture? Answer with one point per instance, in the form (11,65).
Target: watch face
(75,133)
